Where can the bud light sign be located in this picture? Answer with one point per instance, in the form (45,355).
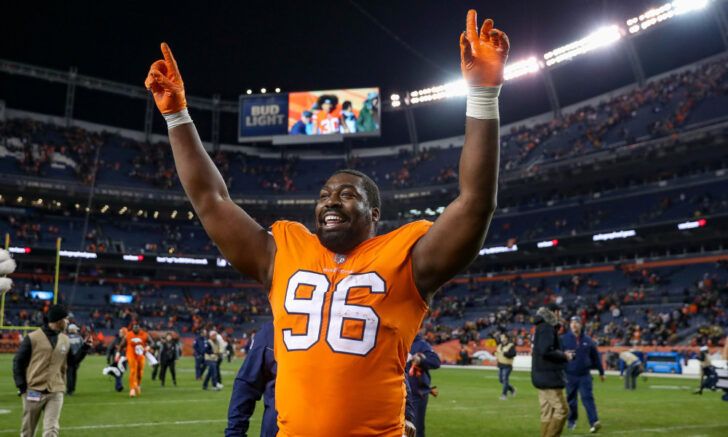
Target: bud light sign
(263,116)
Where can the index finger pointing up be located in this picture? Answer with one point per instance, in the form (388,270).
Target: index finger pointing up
(471,26)
(168,57)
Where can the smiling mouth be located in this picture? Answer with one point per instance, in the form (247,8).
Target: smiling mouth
(332,220)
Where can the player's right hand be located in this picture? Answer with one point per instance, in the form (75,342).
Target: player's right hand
(165,83)
(483,57)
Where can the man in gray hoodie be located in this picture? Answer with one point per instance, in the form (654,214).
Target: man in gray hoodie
(547,370)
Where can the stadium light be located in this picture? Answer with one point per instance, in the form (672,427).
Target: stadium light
(140,212)
(156,214)
(263,90)
(12,249)
(521,68)
(249,92)
(174,214)
(104,209)
(190,215)
(278,90)
(600,38)
(123,210)
(665,12)
(19,199)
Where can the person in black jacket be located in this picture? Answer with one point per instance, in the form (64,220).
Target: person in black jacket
(169,352)
(113,348)
(547,371)
(76,342)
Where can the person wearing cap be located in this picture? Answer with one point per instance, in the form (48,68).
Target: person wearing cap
(76,342)
(578,373)
(301,126)
(547,370)
(212,349)
(39,370)
(708,376)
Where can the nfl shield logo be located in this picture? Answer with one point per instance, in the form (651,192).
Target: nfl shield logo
(339,258)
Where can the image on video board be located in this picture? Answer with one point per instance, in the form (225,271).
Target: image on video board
(326,112)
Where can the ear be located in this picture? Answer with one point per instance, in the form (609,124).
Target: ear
(375,215)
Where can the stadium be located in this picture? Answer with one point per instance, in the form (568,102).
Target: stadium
(612,208)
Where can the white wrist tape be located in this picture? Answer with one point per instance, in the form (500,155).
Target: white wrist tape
(177,118)
(483,102)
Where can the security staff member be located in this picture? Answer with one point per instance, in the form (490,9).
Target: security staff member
(39,370)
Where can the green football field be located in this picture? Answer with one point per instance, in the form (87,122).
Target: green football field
(468,405)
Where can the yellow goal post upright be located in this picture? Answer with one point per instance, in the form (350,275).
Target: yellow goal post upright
(55,289)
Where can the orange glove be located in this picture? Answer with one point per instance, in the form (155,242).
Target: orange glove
(483,58)
(165,83)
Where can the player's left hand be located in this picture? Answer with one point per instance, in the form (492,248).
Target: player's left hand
(165,83)
(601,377)
(409,429)
(483,57)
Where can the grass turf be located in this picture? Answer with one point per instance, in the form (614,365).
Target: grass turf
(468,405)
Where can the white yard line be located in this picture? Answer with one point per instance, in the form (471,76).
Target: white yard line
(126,425)
(665,429)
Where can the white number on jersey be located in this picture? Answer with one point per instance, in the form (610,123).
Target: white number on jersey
(340,311)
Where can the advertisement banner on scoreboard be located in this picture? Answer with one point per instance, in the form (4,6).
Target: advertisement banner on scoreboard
(263,116)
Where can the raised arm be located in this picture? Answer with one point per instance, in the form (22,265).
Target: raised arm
(457,236)
(245,244)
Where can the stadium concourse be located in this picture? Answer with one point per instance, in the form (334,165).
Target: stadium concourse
(613,206)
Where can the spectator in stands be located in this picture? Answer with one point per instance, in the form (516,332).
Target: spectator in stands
(199,347)
(504,354)
(578,376)
(422,360)
(632,369)
(547,370)
(256,378)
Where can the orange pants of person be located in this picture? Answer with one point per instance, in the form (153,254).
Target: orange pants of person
(136,370)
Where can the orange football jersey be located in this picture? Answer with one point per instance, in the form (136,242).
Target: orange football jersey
(136,344)
(327,124)
(343,327)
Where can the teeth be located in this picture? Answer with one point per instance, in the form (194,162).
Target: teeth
(332,218)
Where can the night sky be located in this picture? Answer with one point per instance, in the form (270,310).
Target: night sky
(228,47)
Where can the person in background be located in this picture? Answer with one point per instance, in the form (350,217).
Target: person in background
(504,354)
(368,120)
(578,374)
(708,375)
(421,360)
(348,119)
(76,342)
(39,370)
(256,378)
(230,349)
(154,345)
(199,347)
(300,127)
(169,352)
(547,370)
(221,345)
(212,351)
(113,347)
(632,369)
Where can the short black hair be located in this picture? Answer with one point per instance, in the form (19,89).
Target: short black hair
(346,105)
(370,187)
